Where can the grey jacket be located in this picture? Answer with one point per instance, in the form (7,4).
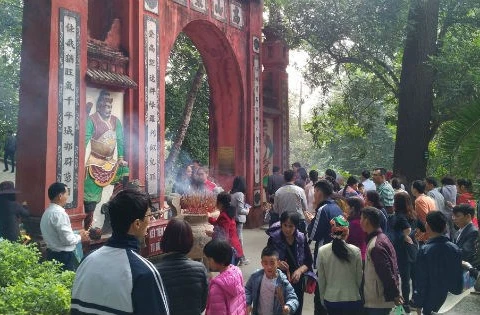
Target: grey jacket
(252,292)
(238,202)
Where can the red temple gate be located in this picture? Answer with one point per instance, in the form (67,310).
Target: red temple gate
(73,49)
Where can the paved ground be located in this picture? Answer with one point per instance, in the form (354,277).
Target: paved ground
(6,175)
(256,239)
(469,305)
(254,242)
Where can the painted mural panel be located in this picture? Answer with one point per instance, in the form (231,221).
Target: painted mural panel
(105,148)
(152,101)
(68,123)
(269,147)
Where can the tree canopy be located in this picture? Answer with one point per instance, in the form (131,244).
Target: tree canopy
(10,47)
(182,67)
(356,50)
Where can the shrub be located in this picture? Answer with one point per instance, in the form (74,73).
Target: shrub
(29,286)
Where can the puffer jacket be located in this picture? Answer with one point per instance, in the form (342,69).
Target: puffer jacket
(381,279)
(185,281)
(226,294)
(252,291)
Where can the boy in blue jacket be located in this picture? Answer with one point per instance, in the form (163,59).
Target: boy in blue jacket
(268,290)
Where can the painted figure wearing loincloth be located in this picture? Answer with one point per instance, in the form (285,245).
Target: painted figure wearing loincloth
(105,133)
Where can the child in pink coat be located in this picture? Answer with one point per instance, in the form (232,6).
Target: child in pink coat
(226,293)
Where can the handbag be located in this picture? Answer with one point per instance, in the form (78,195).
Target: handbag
(310,283)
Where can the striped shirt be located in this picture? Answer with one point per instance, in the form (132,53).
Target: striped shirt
(386,193)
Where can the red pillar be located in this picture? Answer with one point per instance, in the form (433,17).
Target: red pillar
(42,109)
(275,98)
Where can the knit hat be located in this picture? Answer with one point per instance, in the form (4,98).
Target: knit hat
(339,227)
(7,187)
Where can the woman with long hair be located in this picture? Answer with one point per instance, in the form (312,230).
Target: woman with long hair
(224,227)
(404,223)
(373,200)
(295,257)
(185,280)
(237,193)
(183,181)
(356,235)
(351,188)
(339,268)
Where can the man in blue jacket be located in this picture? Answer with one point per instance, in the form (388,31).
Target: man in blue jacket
(326,209)
(115,279)
(319,228)
(438,267)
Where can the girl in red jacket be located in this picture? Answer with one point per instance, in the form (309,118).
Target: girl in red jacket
(225,226)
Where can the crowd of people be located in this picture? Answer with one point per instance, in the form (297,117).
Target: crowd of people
(429,244)
(372,243)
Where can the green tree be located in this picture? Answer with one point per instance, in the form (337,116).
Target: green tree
(182,69)
(344,36)
(352,129)
(10,47)
(414,128)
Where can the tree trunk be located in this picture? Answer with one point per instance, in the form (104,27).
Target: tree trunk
(187,114)
(300,103)
(416,91)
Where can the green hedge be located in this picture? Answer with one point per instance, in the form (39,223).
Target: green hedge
(29,286)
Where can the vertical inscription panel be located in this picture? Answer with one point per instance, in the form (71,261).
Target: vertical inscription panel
(256,116)
(152,101)
(68,120)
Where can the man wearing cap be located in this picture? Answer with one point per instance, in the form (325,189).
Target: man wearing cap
(10,212)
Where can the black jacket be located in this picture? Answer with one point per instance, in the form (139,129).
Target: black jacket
(10,212)
(466,242)
(185,282)
(438,271)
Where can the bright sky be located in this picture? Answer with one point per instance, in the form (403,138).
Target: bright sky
(298,60)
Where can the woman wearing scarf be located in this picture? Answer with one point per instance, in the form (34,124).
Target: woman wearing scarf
(339,268)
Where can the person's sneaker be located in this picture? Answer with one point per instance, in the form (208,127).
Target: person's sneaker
(406,308)
(243,261)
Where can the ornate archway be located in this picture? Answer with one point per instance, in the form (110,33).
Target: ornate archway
(70,46)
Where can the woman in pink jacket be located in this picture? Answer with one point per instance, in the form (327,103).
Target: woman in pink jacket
(226,293)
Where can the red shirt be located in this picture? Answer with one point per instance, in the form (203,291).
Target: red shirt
(226,227)
(209,185)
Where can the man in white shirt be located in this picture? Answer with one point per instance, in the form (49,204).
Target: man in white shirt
(56,228)
(368,184)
